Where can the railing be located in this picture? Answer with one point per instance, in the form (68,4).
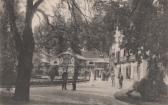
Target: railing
(115,60)
(132,58)
(124,59)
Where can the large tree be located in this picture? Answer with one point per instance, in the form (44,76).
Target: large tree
(24,45)
(147,39)
(24,42)
(143,23)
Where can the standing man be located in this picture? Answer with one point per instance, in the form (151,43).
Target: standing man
(113,79)
(121,80)
(64,80)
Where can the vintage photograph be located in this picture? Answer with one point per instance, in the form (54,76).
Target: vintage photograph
(83,52)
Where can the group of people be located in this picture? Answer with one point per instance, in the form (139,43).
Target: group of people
(65,78)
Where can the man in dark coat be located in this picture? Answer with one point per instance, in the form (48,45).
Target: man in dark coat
(121,80)
(64,80)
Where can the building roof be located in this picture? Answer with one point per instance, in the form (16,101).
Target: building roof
(99,60)
(93,54)
(80,57)
(69,52)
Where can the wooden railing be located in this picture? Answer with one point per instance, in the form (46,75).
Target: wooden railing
(124,59)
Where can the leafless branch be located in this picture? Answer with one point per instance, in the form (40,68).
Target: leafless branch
(46,17)
(36,4)
(77,7)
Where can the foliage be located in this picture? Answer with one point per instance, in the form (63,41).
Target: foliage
(7,55)
(148,30)
(24,44)
(102,27)
(145,29)
(56,36)
(146,38)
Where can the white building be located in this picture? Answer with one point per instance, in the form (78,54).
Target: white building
(127,66)
(96,64)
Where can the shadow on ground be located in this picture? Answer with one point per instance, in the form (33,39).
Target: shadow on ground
(137,100)
(61,98)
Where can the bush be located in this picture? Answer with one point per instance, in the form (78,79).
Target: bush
(150,89)
(8,72)
(8,78)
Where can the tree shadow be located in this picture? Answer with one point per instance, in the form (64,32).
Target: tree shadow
(128,99)
(9,101)
(138,100)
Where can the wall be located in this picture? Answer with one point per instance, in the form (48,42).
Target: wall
(128,82)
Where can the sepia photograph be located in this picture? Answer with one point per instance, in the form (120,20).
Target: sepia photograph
(83,52)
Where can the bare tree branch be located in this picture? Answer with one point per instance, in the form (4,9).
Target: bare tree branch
(36,4)
(46,17)
(77,7)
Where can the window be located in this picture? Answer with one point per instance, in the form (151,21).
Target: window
(118,56)
(128,72)
(113,54)
(91,63)
(120,70)
(125,52)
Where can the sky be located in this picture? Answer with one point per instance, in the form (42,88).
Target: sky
(48,6)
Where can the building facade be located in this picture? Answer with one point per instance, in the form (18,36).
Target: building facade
(66,62)
(97,64)
(92,65)
(125,63)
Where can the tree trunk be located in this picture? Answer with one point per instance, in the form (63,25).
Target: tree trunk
(75,76)
(24,66)
(24,45)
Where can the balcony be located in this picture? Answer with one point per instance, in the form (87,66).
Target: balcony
(132,58)
(115,60)
(123,59)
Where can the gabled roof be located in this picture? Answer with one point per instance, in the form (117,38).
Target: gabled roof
(69,52)
(80,57)
(99,60)
(93,54)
